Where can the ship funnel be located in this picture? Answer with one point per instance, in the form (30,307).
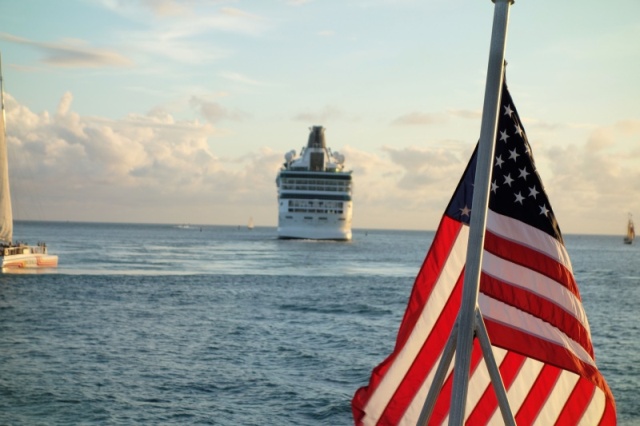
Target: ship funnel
(316,138)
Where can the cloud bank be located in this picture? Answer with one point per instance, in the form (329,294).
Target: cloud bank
(155,168)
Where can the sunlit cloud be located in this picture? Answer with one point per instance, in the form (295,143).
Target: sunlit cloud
(595,182)
(213,112)
(239,78)
(72,53)
(297,2)
(419,118)
(163,7)
(157,165)
(115,161)
(465,114)
(177,19)
(185,32)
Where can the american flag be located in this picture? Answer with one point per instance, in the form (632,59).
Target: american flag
(529,300)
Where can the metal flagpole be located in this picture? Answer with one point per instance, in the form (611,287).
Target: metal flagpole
(488,130)
(494,371)
(438,378)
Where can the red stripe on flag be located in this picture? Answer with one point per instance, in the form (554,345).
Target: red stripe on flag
(532,259)
(539,307)
(488,403)
(537,396)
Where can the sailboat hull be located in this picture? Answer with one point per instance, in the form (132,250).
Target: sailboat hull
(27,257)
(29,261)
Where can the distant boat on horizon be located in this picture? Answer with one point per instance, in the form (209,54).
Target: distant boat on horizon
(250,224)
(631,233)
(16,255)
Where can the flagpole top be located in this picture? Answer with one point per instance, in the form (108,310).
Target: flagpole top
(510,1)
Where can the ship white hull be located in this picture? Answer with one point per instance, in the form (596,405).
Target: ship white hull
(304,226)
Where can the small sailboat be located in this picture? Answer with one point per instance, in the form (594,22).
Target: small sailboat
(250,224)
(631,233)
(19,254)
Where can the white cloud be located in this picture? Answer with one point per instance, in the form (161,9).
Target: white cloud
(157,168)
(213,112)
(151,162)
(419,118)
(595,183)
(190,32)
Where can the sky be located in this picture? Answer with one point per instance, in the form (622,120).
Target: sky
(173,111)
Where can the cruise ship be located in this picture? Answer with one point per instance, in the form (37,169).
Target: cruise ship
(314,193)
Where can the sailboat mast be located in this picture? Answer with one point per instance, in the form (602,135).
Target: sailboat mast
(6,214)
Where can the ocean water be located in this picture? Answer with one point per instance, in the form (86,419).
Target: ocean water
(162,324)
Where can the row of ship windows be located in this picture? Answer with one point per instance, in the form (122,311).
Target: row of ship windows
(308,206)
(311,218)
(325,211)
(315,185)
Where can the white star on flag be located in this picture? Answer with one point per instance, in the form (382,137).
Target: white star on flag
(508,179)
(544,210)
